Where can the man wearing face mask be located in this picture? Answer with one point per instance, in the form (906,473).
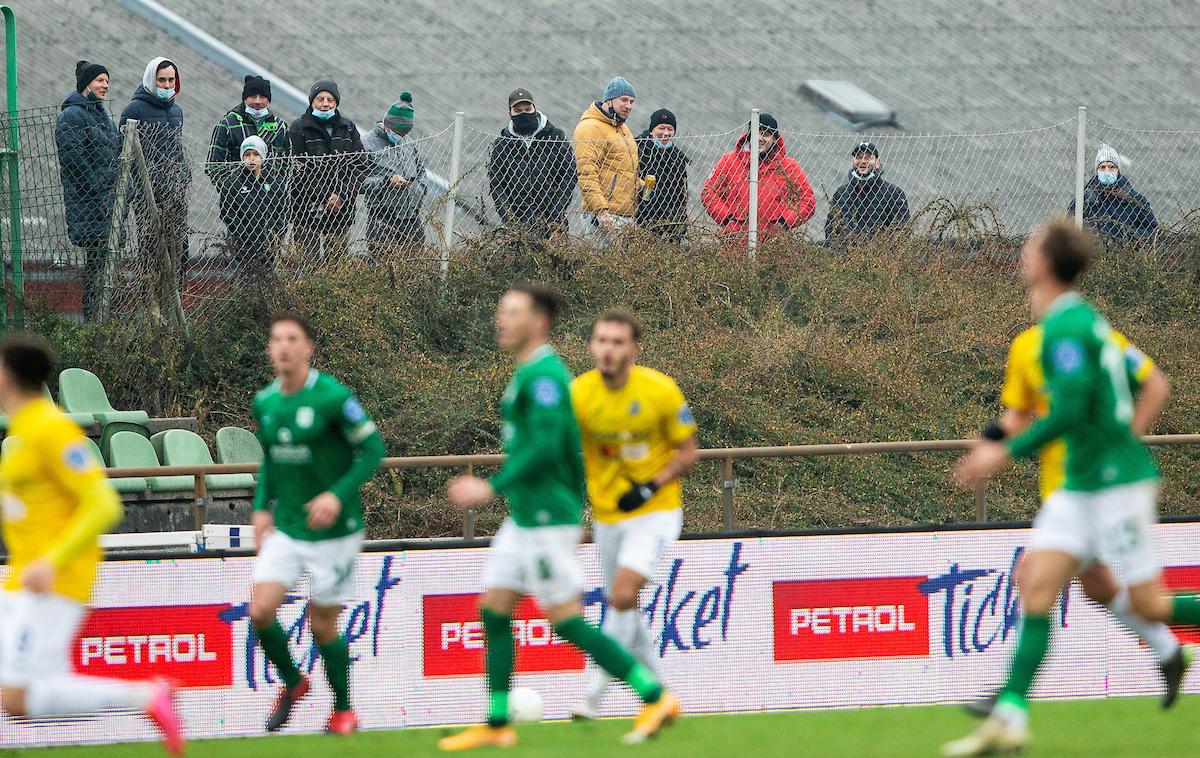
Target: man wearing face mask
(606,159)
(531,170)
(865,204)
(395,186)
(1121,215)
(160,131)
(252,117)
(88,149)
(327,174)
(785,198)
(663,206)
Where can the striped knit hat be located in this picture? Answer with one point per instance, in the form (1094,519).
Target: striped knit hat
(399,118)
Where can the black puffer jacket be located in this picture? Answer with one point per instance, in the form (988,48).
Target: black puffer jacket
(531,179)
(668,165)
(329,158)
(88,149)
(862,207)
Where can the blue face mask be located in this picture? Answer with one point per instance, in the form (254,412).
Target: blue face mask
(257,112)
(394,138)
(662,146)
(324,115)
(164,94)
(1107,178)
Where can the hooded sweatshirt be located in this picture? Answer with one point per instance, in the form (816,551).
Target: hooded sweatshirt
(785,197)
(532,177)
(160,129)
(606,157)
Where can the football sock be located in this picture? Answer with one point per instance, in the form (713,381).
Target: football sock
(1155,634)
(1185,609)
(1031,649)
(643,644)
(336,656)
(610,656)
(62,695)
(498,637)
(274,643)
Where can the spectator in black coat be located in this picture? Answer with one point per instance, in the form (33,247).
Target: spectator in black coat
(866,204)
(254,209)
(160,131)
(531,170)
(329,170)
(89,147)
(1121,215)
(663,208)
(252,117)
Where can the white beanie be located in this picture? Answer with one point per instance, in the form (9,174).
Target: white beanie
(254,143)
(1106,154)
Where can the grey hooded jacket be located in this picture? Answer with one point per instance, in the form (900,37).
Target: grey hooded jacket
(388,160)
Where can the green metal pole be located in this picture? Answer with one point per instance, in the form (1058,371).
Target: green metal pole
(14,176)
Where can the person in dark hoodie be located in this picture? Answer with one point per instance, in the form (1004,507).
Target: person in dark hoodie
(254,209)
(328,174)
(663,207)
(1121,215)
(253,117)
(866,204)
(89,147)
(395,187)
(160,131)
(531,170)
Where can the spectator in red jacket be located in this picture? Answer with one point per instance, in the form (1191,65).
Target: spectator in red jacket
(785,199)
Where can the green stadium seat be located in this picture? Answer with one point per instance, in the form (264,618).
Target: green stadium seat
(132,450)
(235,445)
(86,420)
(183,448)
(80,391)
(130,484)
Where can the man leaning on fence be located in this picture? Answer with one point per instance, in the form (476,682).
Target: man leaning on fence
(327,176)
(531,170)
(252,117)
(395,186)
(663,207)
(160,131)
(89,147)
(1121,215)
(607,161)
(866,204)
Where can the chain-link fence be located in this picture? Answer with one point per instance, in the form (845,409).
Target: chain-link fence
(137,224)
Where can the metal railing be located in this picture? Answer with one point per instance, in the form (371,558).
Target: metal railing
(724,456)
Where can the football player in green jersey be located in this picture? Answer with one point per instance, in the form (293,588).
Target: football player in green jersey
(534,551)
(319,448)
(1105,510)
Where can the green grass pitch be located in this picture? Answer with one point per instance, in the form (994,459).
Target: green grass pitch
(1117,727)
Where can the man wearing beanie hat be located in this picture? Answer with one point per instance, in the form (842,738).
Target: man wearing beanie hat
(395,184)
(329,170)
(253,205)
(253,117)
(866,204)
(663,206)
(1121,216)
(155,106)
(531,171)
(785,198)
(88,149)
(606,158)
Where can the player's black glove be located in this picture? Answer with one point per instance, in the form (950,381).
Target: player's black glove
(994,432)
(637,496)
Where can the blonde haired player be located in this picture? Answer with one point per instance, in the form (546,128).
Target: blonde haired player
(639,437)
(56,502)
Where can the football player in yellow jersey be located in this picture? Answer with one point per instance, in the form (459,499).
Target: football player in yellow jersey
(54,503)
(638,438)
(1024,399)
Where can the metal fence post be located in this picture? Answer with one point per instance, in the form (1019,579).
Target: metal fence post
(452,193)
(728,484)
(468,530)
(981,502)
(1080,163)
(15,244)
(752,221)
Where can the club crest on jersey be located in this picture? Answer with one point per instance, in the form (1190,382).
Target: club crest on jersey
(635,408)
(1068,357)
(546,392)
(305,417)
(685,415)
(285,435)
(76,457)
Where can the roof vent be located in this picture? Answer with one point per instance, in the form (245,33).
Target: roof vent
(850,104)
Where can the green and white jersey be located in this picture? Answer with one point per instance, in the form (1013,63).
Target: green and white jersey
(1091,403)
(543,477)
(316,440)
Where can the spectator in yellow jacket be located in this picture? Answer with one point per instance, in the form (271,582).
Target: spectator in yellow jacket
(606,156)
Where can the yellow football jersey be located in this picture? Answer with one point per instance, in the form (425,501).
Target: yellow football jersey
(54,499)
(1025,391)
(629,436)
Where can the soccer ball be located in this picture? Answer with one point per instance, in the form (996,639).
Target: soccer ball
(524,704)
